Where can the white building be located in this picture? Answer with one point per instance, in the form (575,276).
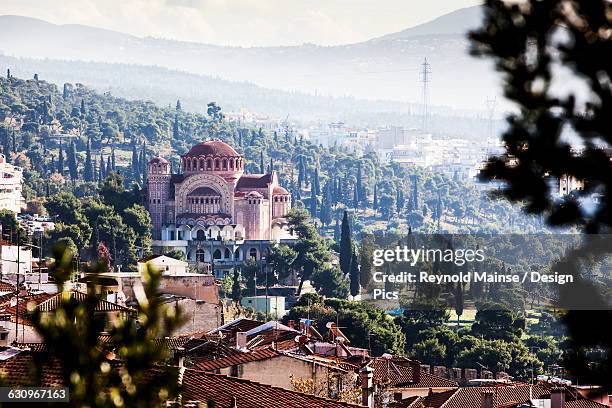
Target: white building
(11,178)
(164,264)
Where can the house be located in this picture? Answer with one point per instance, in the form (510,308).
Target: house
(165,264)
(515,395)
(273,306)
(201,387)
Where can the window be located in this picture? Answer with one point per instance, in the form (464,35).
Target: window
(200,255)
(217,254)
(237,254)
(200,235)
(253,253)
(228,254)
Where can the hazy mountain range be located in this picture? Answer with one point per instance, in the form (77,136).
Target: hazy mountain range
(385,68)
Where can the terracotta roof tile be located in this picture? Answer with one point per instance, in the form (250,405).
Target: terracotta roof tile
(247,181)
(237,359)
(201,386)
(102,306)
(19,370)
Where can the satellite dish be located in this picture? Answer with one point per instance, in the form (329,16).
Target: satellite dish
(387,356)
(329,325)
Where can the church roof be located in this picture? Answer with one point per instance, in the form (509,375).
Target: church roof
(159,159)
(203,191)
(247,181)
(212,148)
(279,190)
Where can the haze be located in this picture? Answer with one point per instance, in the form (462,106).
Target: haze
(241,22)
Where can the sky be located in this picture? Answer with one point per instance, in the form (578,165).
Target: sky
(242,22)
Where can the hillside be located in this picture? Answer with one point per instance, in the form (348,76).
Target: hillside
(386,68)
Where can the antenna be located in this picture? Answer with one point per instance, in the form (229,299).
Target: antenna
(425,73)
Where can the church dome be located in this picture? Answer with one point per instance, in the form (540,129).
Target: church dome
(212,148)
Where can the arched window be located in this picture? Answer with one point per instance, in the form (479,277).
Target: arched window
(237,254)
(227,254)
(201,164)
(224,164)
(200,255)
(217,164)
(253,253)
(231,163)
(217,254)
(209,164)
(200,236)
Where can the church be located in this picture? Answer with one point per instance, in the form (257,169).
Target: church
(212,211)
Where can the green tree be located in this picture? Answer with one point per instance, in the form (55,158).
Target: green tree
(88,171)
(346,245)
(354,274)
(137,377)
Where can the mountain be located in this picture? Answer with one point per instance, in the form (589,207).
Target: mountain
(386,68)
(456,23)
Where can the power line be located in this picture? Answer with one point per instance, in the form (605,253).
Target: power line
(425,79)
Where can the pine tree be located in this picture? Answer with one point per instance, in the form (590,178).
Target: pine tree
(72,163)
(346,245)
(354,275)
(60,159)
(88,172)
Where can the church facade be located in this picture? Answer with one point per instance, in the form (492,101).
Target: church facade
(212,211)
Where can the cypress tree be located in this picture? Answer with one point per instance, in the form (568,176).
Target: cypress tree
(143,162)
(178,105)
(8,73)
(354,275)
(113,158)
(60,159)
(135,166)
(109,167)
(261,163)
(360,195)
(325,214)
(346,245)
(271,165)
(337,230)
(72,163)
(175,127)
(355,196)
(375,201)
(82,106)
(300,179)
(6,146)
(236,290)
(313,203)
(89,166)
(65,93)
(315,182)
(101,169)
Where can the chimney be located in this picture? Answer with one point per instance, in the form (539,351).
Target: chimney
(291,324)
(487,399)
(241,341)
(366,375)
(415,367)
(557,397)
